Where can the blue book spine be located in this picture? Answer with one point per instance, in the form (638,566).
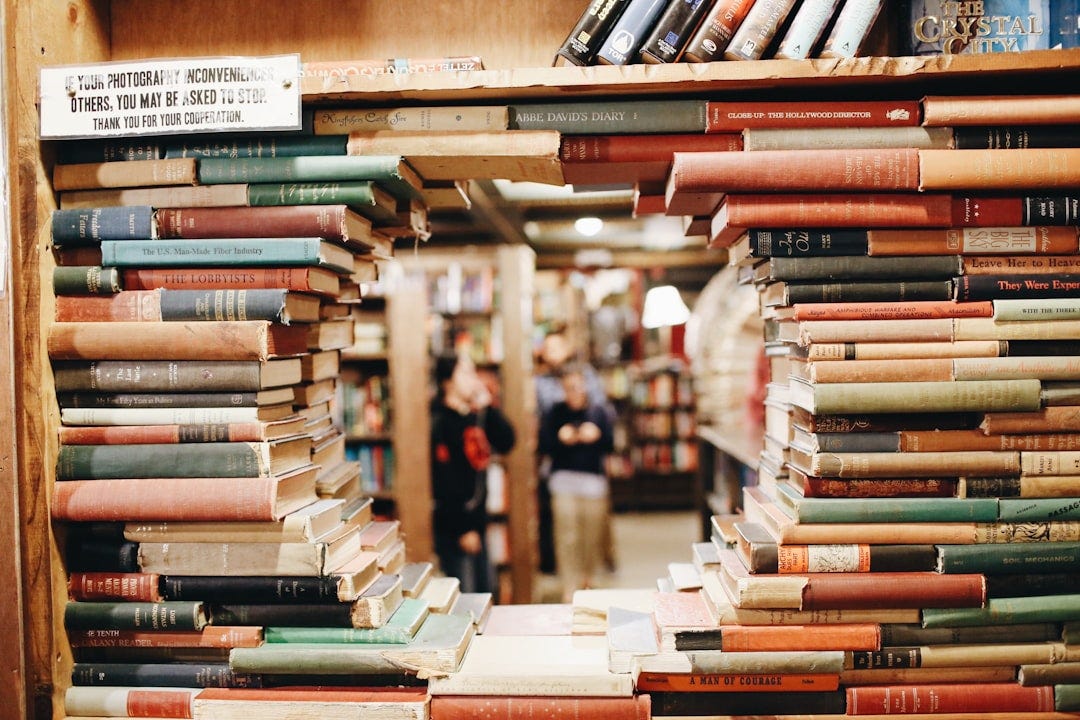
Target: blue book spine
(1065,23)
(220,304)
(89,226)
(628,35)
(933,28)
(673,30)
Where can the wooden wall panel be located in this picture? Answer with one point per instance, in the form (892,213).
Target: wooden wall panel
(45,33)
(506,34)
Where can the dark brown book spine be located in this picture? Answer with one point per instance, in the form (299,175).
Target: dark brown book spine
(884,487)
(1029,287)
(850,591)
(642,148)
(592,28)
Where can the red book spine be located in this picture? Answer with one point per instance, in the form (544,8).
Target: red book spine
(159,703)
(449,707)
(966,698)
(212,636)
(128,587)
(734,116)
(986,211)
(642,148)
(835,211)
(130,305)
(323,221)
(157,434)
(847,170)
(885,487)
(175,499)
(767,638)
(853,591)
(226,278)
(916,310)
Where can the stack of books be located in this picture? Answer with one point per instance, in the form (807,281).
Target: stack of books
(916,506)
(216,535)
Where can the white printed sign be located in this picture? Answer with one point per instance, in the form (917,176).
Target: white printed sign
(163,97)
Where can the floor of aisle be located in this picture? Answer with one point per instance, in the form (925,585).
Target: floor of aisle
(645,542)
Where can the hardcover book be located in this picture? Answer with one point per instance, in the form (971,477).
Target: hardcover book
(594,25)
(713,35)
(675,27)
(991,26)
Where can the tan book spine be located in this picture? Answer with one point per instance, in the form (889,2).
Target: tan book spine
(943,110)
(1024,532)
(988,329)
(1055,367)
(1041,168)
(915,310)
(889,351)
(890,370)
(1056,418)
(939,440)
(989,654)
(973,395)
(438,119)
(756,139)
(200,340)
(1060,462)
(941,464)
(1020,265)
(159,197)
(1036,309)
(134,173)
(931,330)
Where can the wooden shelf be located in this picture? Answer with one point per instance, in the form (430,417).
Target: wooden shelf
(903,75)
(743,443)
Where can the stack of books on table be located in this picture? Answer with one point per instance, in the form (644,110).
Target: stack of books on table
(209,514)
(918,481)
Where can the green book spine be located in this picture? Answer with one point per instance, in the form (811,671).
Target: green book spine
(260,146)
(103,376)
(262,252)
(883,510)
(1010,558)
(894,635)
(315,659)
(898,397)
(1067,697)
(86,280)
(1007,611)
(354,194)
(95,462)
(612,117)
(135,616)
(385,170)
(1040,509)
(398,630)
(1070,633)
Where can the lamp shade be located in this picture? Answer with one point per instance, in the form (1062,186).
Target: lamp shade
(663,307)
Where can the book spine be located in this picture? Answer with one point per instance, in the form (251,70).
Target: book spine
(92,225)
(1050,419)
(615,117)
(713,35)
(86,280)
(839,510)
(1005,611)
(971,211)
(123,400)
(1052,462)
(249,589)
(1061,367)
(806,29)
(1040,510)
(881,331)
(136,173)
(205,499)
(898,634)
(916,310)
(835,211)
(807,138)
(92,462)
(132,587)
(288,278)
(1012,137)
(158,197)
(993,287)
(594,25)
(184,253)
(822,558)
(157,434)
(641,148)
(1048,674)
(150,341)
(1006,310)
(1021,265)
(958,110)
(278,194)
(1041,168)
(856,268)
(342,636)
(110,150)
(679,704)
(479,118)
(673,31)
(735,682)
(163,675)
(135,616)
(1009,559)
(115,417)
(334,615)
(808,243)
(851,27)
(1041,240)
(837,170)
(134,702)
(975,697)
(259,146)
(972,396)
(245,222)
(879,487)
(630,32)
(266,304)
(106,376)
(126,305)
(850,636)
(754,36)
(881,291)
(894,590)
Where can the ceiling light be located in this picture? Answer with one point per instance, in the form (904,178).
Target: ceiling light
(588,226)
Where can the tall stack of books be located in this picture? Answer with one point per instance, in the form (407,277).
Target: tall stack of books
(918,482)
(216,535)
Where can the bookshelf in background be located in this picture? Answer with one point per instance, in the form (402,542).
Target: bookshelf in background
(480,302)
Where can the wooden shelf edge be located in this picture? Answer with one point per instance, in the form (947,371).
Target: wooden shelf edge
(745,448)
(559,83)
